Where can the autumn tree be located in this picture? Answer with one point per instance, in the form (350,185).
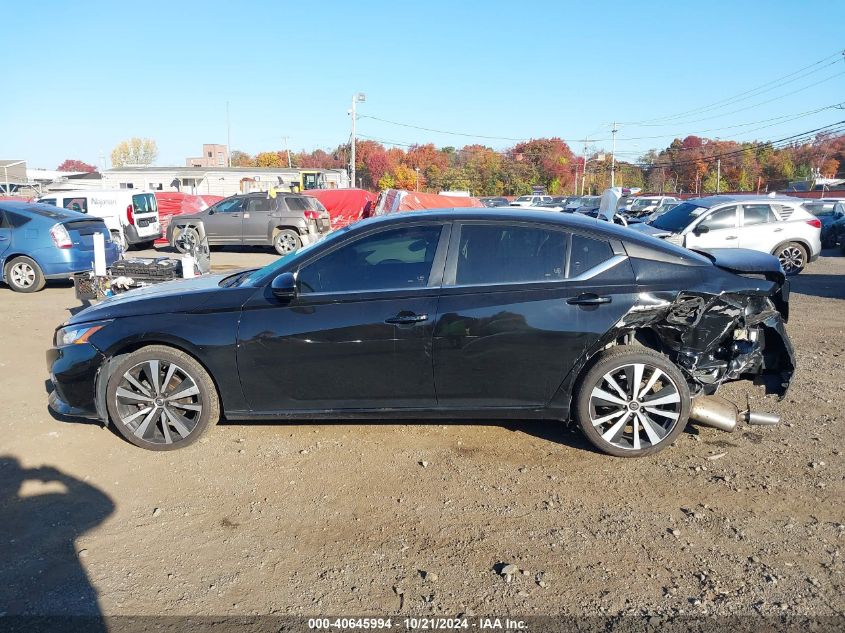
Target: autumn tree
(72,164)
(134,151)
(269,159)
(241,159)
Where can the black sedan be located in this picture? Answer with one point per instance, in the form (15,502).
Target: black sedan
(453,313)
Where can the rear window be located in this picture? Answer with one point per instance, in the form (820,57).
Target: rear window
(144,203)
(821,209)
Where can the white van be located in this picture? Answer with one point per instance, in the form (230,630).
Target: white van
(130,215)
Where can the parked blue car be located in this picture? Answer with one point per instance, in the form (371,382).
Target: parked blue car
(40,242)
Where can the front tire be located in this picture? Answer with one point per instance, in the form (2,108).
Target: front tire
(792,257)
(632,402)
(161,399)
(24,275)
(186,239)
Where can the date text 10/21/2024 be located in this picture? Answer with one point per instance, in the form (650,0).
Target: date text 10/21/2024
(417,624)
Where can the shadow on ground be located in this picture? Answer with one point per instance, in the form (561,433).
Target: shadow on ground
(43,511)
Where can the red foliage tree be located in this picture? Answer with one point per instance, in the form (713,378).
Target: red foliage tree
(73,164)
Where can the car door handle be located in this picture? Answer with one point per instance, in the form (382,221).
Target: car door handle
(404,318)
(778,230)
(4,238)
(731,237)
(588,299)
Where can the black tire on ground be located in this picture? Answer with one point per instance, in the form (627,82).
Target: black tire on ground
(615,435)
(215,248)
(190,235)
(286,241)
(143,246)
(792,256)
(22,274)
(156,421)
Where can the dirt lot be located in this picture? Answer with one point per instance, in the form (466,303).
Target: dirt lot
(393,518)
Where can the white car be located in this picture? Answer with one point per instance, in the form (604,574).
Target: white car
(642,206)
(530,201)
(131,215)
(777,225)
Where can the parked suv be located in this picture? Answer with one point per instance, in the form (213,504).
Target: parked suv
(637,207)
(777,225)
(285,222)
(530,201)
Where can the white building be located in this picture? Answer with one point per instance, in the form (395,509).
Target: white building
(223,181)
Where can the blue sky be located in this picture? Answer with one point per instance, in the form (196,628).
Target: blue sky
(86,75)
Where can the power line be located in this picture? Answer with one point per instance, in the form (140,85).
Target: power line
(465,134)
(746,94)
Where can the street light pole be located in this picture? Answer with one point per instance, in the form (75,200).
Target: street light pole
(613,158)
(358,97)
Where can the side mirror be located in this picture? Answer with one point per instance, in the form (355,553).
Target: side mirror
(284,286)
(701,230)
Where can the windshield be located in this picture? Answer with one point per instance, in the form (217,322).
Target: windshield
(272,268)
(677,219)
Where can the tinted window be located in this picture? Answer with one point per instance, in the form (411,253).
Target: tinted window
(230,205)
(4,224)
(506,254)
(721,219)
(394,259)
(587,253)
(16,220)
(260,205)
(76,204)
(296,204)
(756,214)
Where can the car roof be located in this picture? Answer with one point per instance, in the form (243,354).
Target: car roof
(48,211)
(523,214)
(712,201)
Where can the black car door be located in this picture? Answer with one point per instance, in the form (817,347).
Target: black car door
(358,333)
(520,303)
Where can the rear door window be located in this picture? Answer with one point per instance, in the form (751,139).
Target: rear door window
(76,204)
(259,205)
(497,253)
(587,253)
(721,219)
(757,214)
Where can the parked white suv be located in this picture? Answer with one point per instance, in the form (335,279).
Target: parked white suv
(776,225)
(639,207)
(530,201)
(130,215)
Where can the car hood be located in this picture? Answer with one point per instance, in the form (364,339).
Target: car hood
(181,295)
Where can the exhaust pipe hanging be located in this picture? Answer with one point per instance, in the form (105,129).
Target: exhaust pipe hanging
(724,415)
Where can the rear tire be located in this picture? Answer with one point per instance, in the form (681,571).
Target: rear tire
(24,275)
(632,402)
(792,256)
(141,403)
(286,241)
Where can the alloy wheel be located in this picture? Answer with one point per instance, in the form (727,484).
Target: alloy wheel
(791,259)
(286,243)
(22,275)
(635,406)
(159,402)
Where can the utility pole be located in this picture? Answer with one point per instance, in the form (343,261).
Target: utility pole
(358,97)
(718,174)
(228,138)
(613,157)
(285,138)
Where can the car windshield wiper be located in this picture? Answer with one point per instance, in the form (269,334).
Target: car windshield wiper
(234,280)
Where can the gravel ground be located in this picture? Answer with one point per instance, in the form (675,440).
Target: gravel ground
(389,518)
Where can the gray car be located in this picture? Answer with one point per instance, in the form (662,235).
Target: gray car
(285,222)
